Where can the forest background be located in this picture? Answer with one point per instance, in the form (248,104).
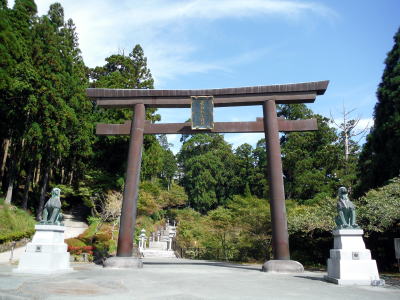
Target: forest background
(217,194)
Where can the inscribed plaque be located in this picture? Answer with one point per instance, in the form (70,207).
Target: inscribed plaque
(202,112)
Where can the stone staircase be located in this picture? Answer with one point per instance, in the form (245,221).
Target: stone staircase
(159,243)
(154,253)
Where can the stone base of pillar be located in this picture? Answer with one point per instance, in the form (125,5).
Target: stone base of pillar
(117,262)
(283,266)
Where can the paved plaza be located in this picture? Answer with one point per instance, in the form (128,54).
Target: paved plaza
(181,279)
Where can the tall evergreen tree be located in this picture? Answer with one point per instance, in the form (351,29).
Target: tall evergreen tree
(380,159)
(17,90)
(60,129)
(124,72)
(208,166)
(245,168)
(311,160)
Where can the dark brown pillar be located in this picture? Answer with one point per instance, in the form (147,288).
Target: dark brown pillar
(129,202)
(280,237)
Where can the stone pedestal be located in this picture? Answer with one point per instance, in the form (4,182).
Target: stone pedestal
(47,253)
(282,266)
(117,262)
(350,262)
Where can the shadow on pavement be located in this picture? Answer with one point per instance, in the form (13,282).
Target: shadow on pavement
(215,264)
(312,278)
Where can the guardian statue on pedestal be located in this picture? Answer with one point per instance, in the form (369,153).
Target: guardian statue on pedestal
(346,218)
(52,210)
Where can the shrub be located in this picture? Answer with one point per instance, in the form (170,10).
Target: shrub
(15,224)
(75,242)
(80,250)
(379,209)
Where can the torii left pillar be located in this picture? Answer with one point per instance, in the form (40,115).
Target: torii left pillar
(125,257)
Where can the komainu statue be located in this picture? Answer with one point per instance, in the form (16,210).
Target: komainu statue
(52,210)
(346,210)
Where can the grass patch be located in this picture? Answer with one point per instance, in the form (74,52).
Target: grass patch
(15,224)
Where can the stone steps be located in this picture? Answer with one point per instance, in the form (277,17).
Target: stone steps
(156,253)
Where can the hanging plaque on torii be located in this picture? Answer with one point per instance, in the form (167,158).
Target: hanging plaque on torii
(202,121)
(202,112)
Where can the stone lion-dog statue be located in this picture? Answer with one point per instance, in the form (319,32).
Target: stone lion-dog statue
(52,210)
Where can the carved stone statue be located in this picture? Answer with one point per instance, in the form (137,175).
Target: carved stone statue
(346,210)
(52,210)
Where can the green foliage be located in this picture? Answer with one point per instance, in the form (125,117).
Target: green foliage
(245,168)
(379,159)
(379,209)
(258,184)
(147,204)
(208,166)
(74,242)
(223,232)
(153,198)
(15,224)
(241,231)
(310,160)
(191,227)
(174,197)
(98,235)
(308,219)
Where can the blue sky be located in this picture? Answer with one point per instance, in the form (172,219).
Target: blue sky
(198,44)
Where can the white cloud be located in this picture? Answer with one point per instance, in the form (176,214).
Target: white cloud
(365,123)
(237,139)
(162,28)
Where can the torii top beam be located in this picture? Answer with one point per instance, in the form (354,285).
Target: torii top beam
(243,96)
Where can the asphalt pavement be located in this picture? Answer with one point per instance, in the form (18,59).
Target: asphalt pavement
(181,279)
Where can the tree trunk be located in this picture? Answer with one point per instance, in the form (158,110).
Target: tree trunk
(62,175)
(43,190)
(13,173)
(10,184)
(6,145)
(37,174)
(346,145)
(71,177)
(27,186)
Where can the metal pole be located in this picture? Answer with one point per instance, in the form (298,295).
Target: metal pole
(129,202)
(280,236)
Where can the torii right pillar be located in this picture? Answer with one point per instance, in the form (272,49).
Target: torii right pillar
(280,236)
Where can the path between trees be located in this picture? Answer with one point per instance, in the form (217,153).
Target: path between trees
(74,227)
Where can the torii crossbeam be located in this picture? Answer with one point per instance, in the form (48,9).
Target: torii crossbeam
(267,96)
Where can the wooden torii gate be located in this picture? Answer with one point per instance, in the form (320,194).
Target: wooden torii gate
(267,96)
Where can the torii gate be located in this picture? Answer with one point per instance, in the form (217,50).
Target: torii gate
(267,96)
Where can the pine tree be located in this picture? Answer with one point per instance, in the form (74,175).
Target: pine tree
(380,159)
